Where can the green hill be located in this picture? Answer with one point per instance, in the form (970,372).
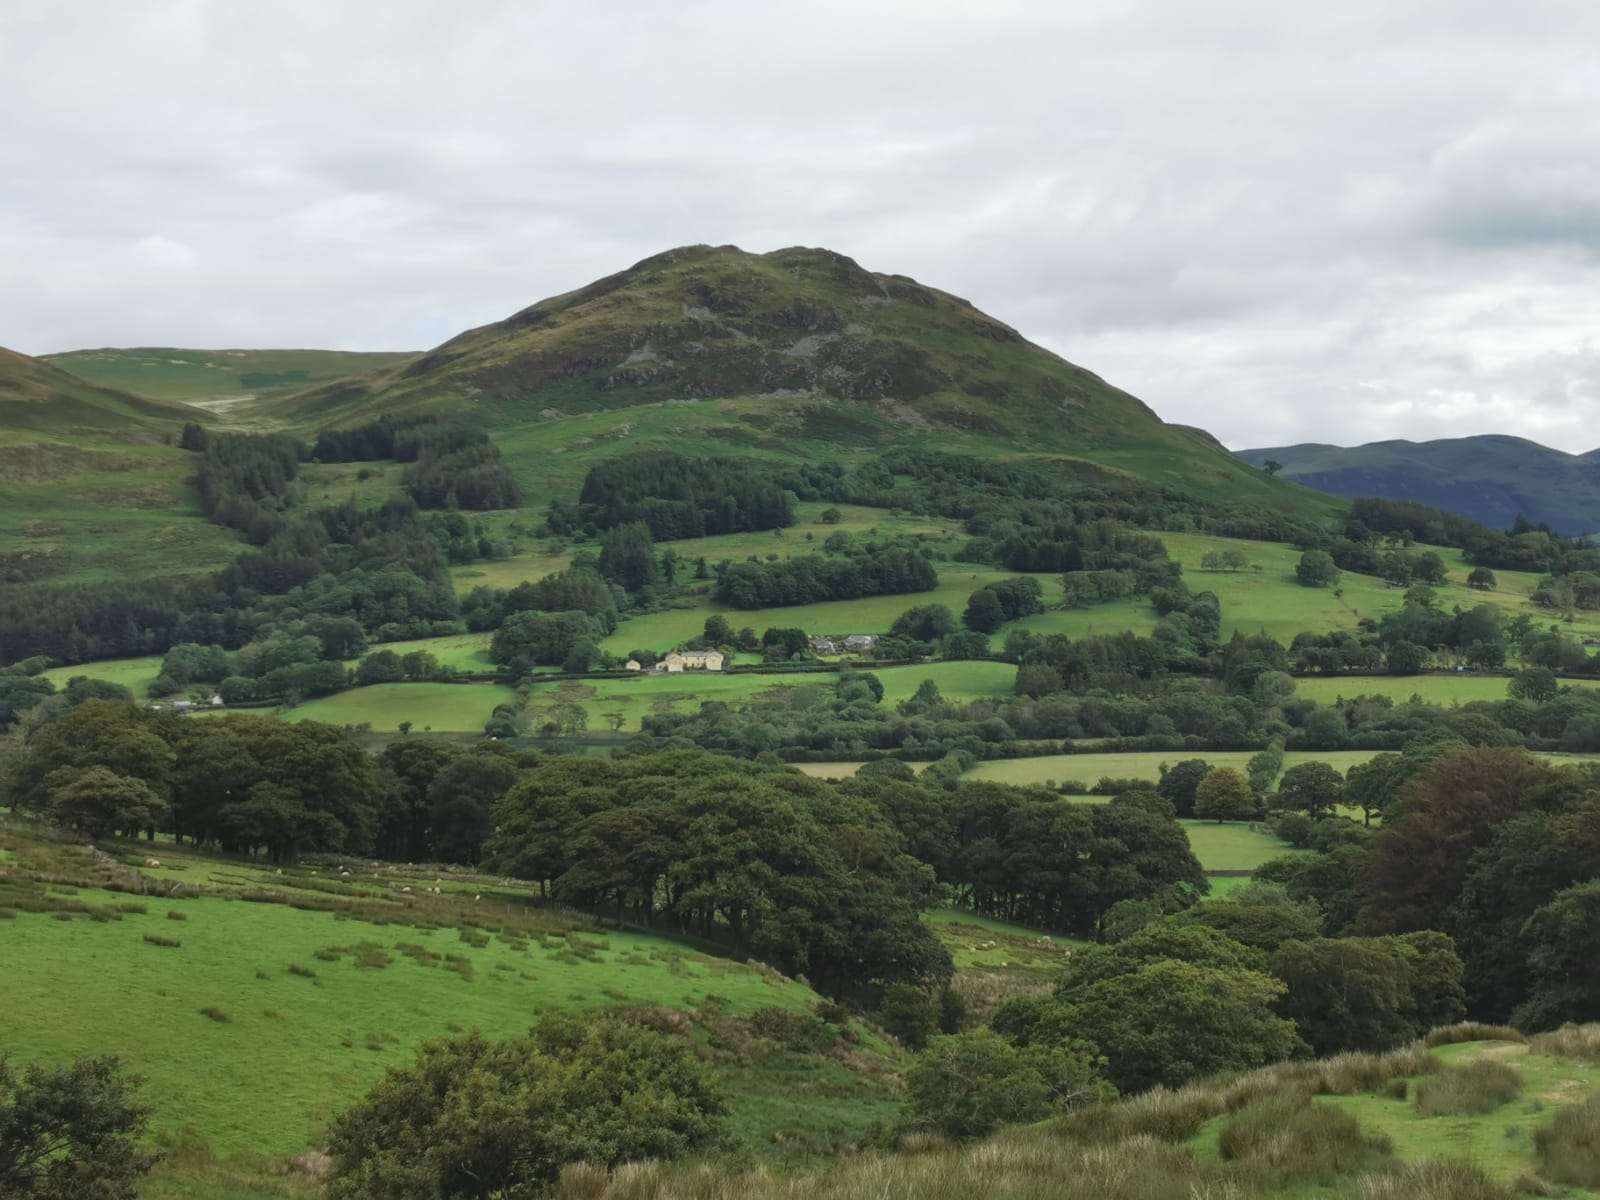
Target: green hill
(1492,479)
(796,354)
(37,397)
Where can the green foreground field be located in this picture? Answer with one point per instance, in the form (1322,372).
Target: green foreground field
(276,1053)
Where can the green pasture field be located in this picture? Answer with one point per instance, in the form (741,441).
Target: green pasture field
(1266,598)
(829,770)
(1232,845)
(467,652)
(656,693)
(1435,689)
(135,674)
(446,707)
(983,943)
(294,1049)
(1089,768)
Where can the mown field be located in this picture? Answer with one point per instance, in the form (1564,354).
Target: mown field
(441,707)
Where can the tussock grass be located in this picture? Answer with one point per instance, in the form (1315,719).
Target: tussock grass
(1295,1136)
(1015,1167)
(1475,1087)
(213,1013)
(174,915)
(1569,1147)
(155,939)
(301,970)
(1570,1041)
(1471,1031)
(1434,1180)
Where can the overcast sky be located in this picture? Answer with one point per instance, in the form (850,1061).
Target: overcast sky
(1282,222)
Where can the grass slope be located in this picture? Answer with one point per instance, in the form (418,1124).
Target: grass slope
(212,376)
(37,397)
(295,1048)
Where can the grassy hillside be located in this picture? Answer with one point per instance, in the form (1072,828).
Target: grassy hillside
(796,354)
(37,397)
(212,376)
(277,1051)
(1491,478)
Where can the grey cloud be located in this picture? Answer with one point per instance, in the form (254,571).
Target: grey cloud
(1281,223)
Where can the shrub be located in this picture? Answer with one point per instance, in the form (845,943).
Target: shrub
(213,1013)
(71,1131)
(155,939)
(1476,1087)
(592,1089)
(174,915)
(1569,1147)
(303,971)
(966,1085)
(799,1032)
(130,906)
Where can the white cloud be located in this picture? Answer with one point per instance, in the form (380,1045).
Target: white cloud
(1361,221)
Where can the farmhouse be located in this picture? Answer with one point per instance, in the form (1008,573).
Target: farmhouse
(861,641)
(824,645)
(692,660)
(633,665)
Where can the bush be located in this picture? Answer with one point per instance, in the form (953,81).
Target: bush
(174,915)
(71,1131)
(1569,1147)
(473,1118)
(213,1013)
(799,1032)
(1476,1087)
(967,1085)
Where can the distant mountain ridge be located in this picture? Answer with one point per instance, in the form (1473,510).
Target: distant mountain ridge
(1491,478)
